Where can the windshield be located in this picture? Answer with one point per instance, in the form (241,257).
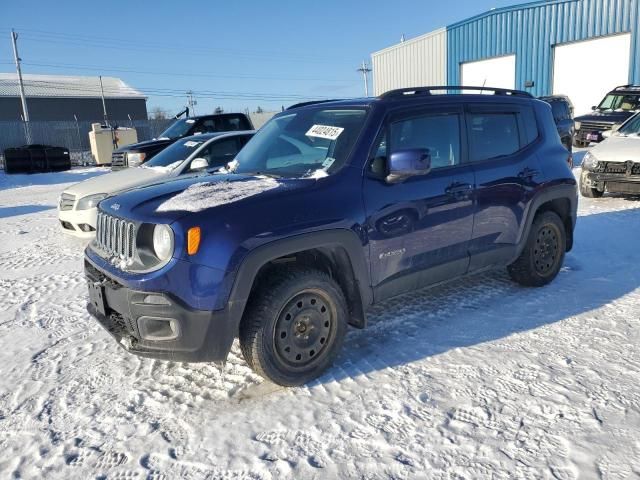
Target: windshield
(632,127)
(308,143)
(620,102)
(178,129)
(174,154)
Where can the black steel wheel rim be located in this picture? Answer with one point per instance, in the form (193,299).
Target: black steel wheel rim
(305,328)
(546,250)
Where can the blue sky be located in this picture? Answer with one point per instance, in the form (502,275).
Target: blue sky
(237,54)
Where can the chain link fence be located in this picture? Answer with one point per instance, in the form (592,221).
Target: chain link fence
(71,135)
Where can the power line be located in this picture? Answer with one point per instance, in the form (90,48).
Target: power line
(111,43)
(36,63)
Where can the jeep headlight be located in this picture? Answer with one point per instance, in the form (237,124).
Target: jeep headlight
(135,159)
(590,161)
(90,201)
(163,242)
(578,125)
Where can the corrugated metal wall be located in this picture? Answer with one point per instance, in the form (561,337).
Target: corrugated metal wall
(416,62)
(531,30)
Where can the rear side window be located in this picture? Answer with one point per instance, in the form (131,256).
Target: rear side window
(492,135)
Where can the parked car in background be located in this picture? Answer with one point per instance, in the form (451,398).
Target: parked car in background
(616,108)
(329,208)
(562,110)
(614,165)
(191,156)
(139,153)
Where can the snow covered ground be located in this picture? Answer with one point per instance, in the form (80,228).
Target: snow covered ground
(476,379)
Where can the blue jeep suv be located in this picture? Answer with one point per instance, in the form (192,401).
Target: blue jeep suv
(330,208)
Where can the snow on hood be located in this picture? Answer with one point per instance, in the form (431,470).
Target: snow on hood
(204,195)
(618,149)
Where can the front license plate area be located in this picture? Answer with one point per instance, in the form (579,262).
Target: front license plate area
(97,298)
(593,137)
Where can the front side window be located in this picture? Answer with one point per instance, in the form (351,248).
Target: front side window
(221,152)
(620,102)
(312,141)
(492,135)
(439,134)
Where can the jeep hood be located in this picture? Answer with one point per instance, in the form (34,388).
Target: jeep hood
(145,146)
(618,149)
(171,200)
(605,117)
(116,181)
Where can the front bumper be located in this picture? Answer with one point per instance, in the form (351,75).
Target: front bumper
(72,222)
(612,182)
(189,335)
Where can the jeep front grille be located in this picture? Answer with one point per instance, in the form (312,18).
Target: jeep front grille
(66,201)
(115,236)
(118,160)
(595,126)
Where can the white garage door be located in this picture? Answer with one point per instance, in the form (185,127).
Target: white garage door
(499,72)
(587,71)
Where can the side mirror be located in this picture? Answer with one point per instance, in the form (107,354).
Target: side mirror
(594,108)
(407,163)
(199,164)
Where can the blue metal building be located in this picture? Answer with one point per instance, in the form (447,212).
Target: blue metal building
(577,47)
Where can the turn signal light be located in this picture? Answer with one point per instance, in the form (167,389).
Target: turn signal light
(193,240)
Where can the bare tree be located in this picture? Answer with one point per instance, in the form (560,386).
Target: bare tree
(158,114)
(259,110)
(218,110)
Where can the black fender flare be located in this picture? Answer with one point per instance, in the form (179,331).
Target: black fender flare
(566,191)
(346,240)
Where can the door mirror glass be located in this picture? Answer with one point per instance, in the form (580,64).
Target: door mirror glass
(407,163)
(199,164)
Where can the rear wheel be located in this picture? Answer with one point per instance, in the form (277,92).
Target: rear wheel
(294,326)
(543,254)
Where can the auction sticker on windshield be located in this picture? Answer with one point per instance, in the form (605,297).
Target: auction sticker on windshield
(191,144)
(325,131)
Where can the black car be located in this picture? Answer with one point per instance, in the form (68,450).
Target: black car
(138,153)
(617,107)
(562,110)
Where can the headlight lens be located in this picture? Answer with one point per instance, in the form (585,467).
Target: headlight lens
(163,242)
(590,161)
(135,159)
(578,125)
(90,201)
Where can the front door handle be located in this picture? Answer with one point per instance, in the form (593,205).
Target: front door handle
(528,173)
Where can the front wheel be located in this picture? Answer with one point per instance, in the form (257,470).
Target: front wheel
(543,254)
(294,325)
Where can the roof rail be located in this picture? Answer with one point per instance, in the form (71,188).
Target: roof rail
(401,92)
(626,87)
(312,102)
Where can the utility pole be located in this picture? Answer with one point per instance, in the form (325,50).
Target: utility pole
(191,101)
(114,139)
(23,98)
(365,73)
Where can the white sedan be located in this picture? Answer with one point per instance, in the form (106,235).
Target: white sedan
(188,156)
(614,164)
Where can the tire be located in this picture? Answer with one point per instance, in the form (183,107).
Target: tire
(589,192)
(294,326)
(536,266)
(579,144)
